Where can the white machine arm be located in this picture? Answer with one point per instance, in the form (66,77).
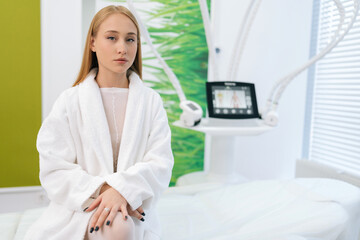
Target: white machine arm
(270,114)
(241,38)
(172,77)
(207,26)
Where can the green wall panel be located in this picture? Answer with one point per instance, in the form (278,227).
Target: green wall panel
(20,92)
(176,28)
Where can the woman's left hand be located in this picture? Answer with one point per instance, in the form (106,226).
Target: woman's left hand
(138,213)
(109,202)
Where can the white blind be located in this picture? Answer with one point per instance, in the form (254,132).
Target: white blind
(335,116)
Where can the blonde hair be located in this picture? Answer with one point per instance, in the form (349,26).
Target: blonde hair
(89,60)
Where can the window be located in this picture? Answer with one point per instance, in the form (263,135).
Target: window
(332,119)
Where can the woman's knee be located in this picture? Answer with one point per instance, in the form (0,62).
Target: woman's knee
(119,228)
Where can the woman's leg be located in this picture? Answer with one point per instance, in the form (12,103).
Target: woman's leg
(119,229)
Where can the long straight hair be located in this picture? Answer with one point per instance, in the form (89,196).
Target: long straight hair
(89,60)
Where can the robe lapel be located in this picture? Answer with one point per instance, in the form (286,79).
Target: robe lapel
(133,123)
(95,122)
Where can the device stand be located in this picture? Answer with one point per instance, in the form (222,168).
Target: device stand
(220,166)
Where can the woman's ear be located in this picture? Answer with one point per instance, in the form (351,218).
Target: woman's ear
(92,44)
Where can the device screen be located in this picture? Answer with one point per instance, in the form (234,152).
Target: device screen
(232,100)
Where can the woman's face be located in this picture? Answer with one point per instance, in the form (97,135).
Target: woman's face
(115,44)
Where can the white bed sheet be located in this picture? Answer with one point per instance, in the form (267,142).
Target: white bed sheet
(293,209)
(301,209)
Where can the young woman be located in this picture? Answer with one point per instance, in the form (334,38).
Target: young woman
(105,153)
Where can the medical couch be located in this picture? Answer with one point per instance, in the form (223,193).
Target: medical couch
(298,209)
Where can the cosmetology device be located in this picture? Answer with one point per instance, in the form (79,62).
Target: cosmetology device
(234,100)
(192,112)
(269,113)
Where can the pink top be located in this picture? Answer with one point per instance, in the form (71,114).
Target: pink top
(114,101)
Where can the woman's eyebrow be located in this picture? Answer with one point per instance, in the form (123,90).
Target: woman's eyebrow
(114,31)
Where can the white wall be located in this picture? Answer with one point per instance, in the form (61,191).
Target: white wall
(64,26)
(61,48)
(278,43)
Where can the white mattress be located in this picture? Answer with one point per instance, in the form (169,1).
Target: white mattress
(300,209)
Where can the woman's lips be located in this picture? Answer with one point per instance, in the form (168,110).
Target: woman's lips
(121,60)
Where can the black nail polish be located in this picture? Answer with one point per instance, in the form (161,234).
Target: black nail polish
(142,219)
(126,217)
(91,230)
(86,209)
(143,214)
(108,222)
(97,228)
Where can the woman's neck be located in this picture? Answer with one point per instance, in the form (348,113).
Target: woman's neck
(107,79)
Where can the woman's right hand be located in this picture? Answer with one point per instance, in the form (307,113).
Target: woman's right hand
(109,203)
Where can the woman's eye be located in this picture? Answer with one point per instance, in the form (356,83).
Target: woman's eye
(131,40)
(111,38)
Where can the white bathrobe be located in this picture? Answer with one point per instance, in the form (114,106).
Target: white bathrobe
(76,159)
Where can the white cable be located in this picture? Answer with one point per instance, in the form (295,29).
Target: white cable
(172,77)
(322,54)
(239,51)
(207,26)
(238,39)
(280,81)
(283,82)
(242,47)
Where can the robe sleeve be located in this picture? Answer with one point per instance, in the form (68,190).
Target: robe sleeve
(65,182)
(142,183)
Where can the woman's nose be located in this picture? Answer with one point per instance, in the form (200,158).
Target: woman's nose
(121,47)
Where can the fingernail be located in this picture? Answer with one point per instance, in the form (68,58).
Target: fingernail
(91,230)
(143,214)
(86,209)
(126,217)
(97,228)
(142,219)
(108,222)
